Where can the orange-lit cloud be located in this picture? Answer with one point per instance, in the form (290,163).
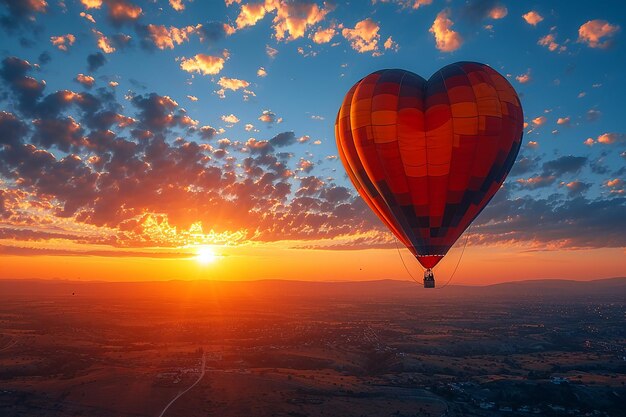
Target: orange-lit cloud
(63,42)
(121,11)
(86,80)
(390,44)
(498,12)
(364,37)
(597,33)
(250,14)
(563,120)
(291,21)
(177,5)
(532,18)
(324,35)
(88,17)
(165,38)
(539,121)
(294,18)
(523,78)
(611,138)
(261,72)
(103,42)
(268,116)
(202,64)
(446,39)
(549,41)
(232,83)
(614,183)
(91,4)
(536,182)
(230,119)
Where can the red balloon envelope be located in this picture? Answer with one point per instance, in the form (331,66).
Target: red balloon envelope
(427,156)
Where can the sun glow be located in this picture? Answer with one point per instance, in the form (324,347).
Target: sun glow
(205,255)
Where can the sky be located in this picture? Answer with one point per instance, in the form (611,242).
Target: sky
(195,140)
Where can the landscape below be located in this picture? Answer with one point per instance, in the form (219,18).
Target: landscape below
(288,348)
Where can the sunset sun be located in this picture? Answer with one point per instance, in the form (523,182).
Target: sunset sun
(205,255)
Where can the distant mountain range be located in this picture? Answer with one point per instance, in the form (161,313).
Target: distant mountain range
(614,288)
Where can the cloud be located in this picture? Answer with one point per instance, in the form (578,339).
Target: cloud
(564,165)
(283,139)
(391,44)
(538,181)
(21,12)
(88,17)
(12,129)
(232,84)
(524,78)
(95,61)
(549,41)
(63,42)
(65,134)
(552,223)
(91,4)
(86,80)
(478,10)
(230,119)
(207,132)
(597,33)
(576,188)
(614,183)
(159,113)
(539,121)
(498,12)
(177,5)
(324,35)
(103,42)
(164,38)
(295,17)
(305,165)
(122,11)
(446,39)
(268,116)
(271,52)
(532,18)
(523,166)
(593,115)
(563,121)
(611,138)
(14,72)
(261,72)
(291,21)
(364,37)
(203,64)
(249,14)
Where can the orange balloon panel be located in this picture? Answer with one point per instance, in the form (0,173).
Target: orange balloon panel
(427,156)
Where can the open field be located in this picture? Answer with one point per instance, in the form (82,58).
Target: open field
(303,349)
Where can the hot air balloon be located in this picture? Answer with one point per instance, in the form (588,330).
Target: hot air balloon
(427,156)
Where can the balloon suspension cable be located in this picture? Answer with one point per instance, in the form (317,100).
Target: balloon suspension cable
(455,268)
(404,264)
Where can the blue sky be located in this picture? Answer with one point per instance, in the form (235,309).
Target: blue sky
(566,63)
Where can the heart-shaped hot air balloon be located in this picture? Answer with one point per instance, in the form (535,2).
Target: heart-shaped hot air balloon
(427,156)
